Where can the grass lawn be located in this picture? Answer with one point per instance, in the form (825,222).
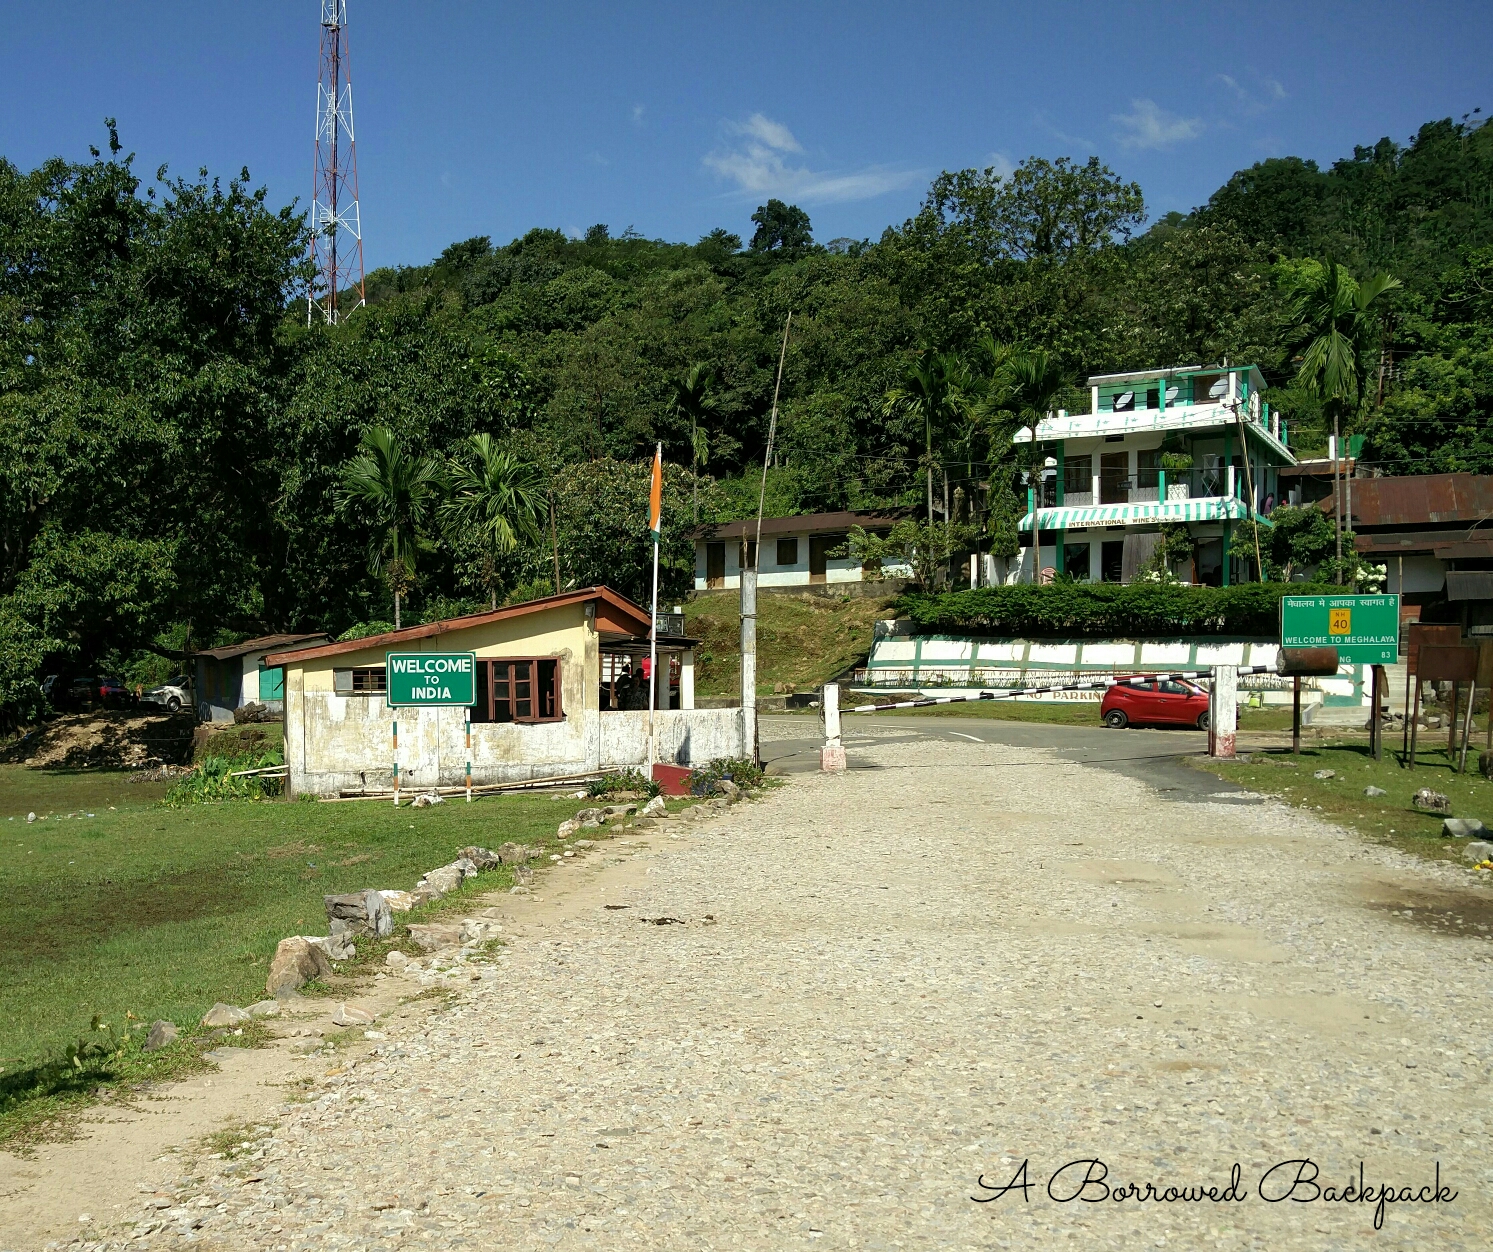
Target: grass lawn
(1387,818)
(112,902)
(803,641)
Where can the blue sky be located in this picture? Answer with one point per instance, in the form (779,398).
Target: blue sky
(674,119)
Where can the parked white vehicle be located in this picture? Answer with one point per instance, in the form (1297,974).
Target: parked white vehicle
(174,694)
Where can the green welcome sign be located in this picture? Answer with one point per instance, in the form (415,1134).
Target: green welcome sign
(1365,630)
(432,679)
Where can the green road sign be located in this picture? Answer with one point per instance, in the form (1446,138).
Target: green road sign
(1364,629)
(432,679)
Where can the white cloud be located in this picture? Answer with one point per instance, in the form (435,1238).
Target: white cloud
(1001,164)
(1148,125)
(757,162)
(1266,94)
(1044,120)
(763,129)
(637,115)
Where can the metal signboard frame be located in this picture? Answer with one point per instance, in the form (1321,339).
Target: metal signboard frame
(431,680)
(1365,630)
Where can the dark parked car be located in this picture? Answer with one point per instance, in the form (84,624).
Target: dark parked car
(1166,702)
(82,691)
(112,692)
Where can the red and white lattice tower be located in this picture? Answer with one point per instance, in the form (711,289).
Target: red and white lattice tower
(336,226)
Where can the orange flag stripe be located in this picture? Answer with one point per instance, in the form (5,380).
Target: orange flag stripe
(656,495)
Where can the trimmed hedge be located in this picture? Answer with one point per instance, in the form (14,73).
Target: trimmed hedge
(1106,610)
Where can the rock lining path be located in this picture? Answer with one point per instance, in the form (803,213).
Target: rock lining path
(881,986)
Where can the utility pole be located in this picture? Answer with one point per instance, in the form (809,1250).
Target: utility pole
(334,191)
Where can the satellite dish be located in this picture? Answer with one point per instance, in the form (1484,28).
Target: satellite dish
(1171,394)
(1218,388)
(1124,401)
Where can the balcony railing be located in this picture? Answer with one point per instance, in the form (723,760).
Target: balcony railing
(1169,485)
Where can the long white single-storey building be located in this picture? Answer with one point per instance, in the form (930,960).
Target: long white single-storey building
(560,691)
(795,551)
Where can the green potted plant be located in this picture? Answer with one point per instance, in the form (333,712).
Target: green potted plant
(1175,461)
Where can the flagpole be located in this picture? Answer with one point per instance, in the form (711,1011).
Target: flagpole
(653,626)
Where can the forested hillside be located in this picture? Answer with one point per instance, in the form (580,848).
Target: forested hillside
(174,437)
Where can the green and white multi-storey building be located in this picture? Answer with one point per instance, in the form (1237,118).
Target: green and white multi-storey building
(1108,490)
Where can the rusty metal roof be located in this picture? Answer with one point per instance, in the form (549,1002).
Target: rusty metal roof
(808,523)
(265,643)
(1422,500)
(616,617)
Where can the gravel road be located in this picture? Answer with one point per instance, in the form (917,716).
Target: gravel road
(884,985)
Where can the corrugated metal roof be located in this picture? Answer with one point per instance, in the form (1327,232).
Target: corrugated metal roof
(628,620)
(265,643)
(1422,500)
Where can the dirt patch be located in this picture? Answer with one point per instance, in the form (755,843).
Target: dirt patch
(287,850)
(1467,914)
(105,740)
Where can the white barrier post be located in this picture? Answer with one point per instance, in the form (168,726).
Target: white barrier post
(1223,702)
(832,758)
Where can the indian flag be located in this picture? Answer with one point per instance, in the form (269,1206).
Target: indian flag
(656,494)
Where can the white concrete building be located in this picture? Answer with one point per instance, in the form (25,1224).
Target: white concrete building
(560,692)
(1107,488)
(228,678)
(796,551)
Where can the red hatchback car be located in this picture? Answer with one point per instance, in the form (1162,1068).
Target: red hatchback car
(1161,703)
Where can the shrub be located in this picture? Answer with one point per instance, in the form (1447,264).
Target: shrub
(1143,610)
(624,780)
(744,773)
(213,779)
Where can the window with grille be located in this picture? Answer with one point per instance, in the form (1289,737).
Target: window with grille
(524,689)
(367,680)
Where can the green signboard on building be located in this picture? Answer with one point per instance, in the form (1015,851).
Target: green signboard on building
(432,679)
(1365,630)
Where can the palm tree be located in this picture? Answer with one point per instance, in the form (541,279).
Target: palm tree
(929,391)
(398,489)
(497,496)
(1026,385)
(692,400)
(1338,322)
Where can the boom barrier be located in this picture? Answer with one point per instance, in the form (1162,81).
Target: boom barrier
(1091,684)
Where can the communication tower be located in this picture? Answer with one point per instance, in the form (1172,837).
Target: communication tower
(336,226)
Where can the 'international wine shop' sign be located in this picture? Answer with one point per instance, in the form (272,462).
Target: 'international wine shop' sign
(1365,630)
(432,679)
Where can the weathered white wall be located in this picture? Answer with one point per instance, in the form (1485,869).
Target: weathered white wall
(685,737)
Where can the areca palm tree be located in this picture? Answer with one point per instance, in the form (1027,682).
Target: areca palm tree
(399,489)
(495,495)
(692,400)
(1338,323)
(930,392)
(1027,384)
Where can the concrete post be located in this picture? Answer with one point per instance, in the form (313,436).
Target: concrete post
(1222,708)
(749,664)
(832,758)
(687,679)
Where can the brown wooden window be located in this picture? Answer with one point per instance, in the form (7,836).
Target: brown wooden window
(523,689)
(787,551)
(368,680)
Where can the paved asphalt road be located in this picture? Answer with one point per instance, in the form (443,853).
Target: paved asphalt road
(1151,756)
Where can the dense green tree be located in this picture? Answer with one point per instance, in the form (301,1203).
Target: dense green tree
(781,228)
